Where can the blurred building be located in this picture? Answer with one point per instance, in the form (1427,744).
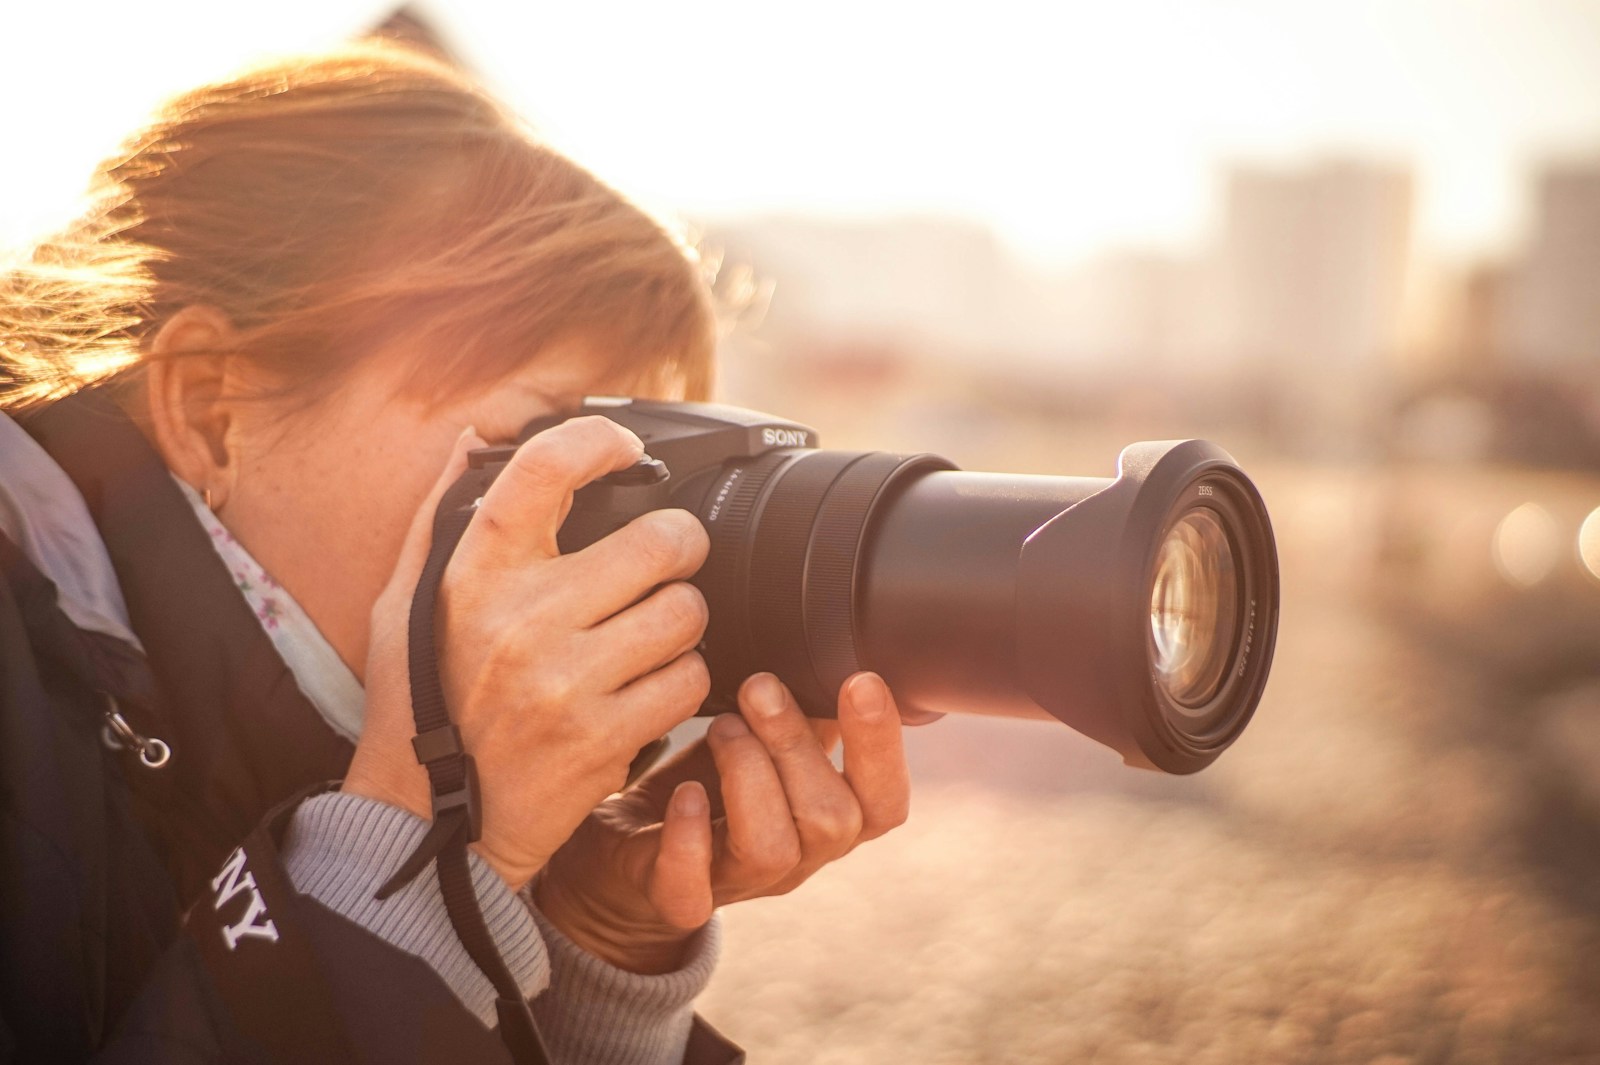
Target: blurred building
(941,284)
(1308,319)
(1520,346)
(1313,264)
(1140,310)
(1480,322)
(1311,270)
(1554,322)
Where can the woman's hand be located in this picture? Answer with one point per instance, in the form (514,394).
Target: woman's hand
(650,865)
(557,668)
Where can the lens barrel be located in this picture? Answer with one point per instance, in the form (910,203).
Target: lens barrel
(781,579)
(1141,610)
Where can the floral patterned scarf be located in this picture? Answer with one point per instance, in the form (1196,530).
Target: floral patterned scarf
(317,668)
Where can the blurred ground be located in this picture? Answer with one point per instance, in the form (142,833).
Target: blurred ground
(1399,862)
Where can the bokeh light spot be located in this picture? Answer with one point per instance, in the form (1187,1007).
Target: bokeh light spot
(1527,545)
(1589,543)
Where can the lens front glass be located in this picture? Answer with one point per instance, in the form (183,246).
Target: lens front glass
(1194,608)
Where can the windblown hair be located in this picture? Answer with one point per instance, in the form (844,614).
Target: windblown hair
(326,203)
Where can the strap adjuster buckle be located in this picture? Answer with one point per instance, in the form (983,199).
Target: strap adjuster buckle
(465,798)
(437,744)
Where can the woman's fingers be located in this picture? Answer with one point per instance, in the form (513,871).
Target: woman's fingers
(760,844)
(680,879)
(648,797)
(611,574)
(419,537)
(652,633)
(874,754)
(522,509)
(826,814)
(657,702)
(785,810)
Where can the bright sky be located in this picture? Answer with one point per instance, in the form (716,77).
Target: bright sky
(1067,126)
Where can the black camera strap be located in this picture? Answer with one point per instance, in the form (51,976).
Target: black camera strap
(453,778)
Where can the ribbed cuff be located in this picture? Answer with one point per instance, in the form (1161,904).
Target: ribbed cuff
(597,1014)
(342,848)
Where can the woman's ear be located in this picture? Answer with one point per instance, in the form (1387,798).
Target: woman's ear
(189,400)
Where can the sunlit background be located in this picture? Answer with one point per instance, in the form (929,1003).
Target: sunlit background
(1358,243)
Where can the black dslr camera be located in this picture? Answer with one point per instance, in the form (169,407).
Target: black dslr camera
(1141,610)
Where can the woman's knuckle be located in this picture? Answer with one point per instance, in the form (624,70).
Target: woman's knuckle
(660,544)
(601,433)
(696,541)
(885,820)
(696,677)
(542,466)
(791,740)
(555,686)
(685,608)
(833,822)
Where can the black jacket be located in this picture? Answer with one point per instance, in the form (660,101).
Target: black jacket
(119,884)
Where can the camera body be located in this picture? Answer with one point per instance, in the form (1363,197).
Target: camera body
(684,444)
(768,605)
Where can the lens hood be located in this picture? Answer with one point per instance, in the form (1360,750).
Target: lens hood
(1084,643)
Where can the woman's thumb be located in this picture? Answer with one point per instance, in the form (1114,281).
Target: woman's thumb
(419,538)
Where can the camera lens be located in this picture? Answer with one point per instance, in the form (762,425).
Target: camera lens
(1194,608)
(1139,609)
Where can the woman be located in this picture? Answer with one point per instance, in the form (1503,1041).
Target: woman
(235,392)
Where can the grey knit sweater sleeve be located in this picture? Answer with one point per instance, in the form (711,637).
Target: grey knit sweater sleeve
(597,1014)
(340,848)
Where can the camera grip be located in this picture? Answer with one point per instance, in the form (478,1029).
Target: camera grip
(606,505)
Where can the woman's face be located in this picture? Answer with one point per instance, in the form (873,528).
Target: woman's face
(322,498)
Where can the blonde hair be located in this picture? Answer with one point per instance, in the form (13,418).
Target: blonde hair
(326,203)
